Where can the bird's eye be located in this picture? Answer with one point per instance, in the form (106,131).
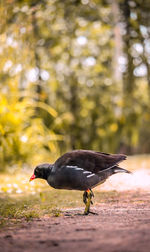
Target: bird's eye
(36,171)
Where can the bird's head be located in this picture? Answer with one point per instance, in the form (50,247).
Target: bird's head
(41,171)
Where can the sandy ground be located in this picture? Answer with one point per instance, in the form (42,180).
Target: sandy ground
(122,225)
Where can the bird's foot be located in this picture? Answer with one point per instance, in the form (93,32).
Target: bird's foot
(90,212)
(93,213)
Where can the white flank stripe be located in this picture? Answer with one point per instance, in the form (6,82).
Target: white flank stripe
(91,175)
(87,172)
(74,167)
(78,169)
(71,166)
(107,168)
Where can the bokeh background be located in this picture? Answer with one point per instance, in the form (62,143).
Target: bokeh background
(73,74)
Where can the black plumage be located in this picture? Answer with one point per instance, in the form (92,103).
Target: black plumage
(80,170)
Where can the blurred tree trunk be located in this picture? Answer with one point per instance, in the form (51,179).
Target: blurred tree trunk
(128,77)
(148,76)
(36,54)
(117,40)
(74,103)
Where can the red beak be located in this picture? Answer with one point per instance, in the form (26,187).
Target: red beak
(32,177)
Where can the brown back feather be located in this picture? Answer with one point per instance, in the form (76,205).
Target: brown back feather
(89,160)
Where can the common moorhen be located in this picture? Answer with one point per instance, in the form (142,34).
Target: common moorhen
(80,170)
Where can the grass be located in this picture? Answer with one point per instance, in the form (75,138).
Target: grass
(24,201)
(17,208)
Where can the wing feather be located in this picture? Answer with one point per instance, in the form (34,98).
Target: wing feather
(89,160)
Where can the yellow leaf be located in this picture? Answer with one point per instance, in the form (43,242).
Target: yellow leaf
(113,127)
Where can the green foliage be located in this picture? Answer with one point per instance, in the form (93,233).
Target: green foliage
(22,135)
(58,89)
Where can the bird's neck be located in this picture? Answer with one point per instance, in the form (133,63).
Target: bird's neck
(47,171)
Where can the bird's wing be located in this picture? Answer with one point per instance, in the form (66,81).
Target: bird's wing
(89,160)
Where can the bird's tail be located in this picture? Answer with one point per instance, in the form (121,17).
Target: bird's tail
(117,169)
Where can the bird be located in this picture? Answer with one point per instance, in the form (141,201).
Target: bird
(80,170)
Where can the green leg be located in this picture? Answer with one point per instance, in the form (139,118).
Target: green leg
(87,196)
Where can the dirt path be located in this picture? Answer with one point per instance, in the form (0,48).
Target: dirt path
(118,227)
